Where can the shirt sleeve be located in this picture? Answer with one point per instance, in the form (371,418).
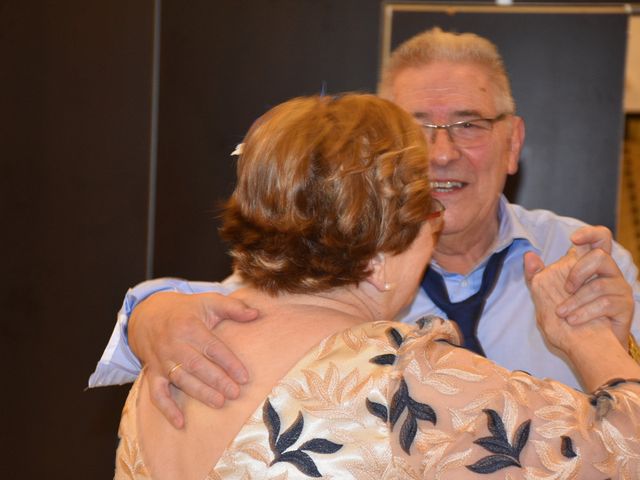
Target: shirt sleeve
(458,415)
(118,365)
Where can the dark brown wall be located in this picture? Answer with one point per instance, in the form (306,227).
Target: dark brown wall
(75,85)
(74,101)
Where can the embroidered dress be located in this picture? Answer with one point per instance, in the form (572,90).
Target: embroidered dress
(388,401)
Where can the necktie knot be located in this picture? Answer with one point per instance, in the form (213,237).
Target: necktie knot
(466,313)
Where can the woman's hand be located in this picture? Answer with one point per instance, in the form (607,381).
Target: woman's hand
(547,287)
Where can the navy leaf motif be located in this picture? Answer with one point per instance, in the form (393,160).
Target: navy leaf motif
(291,435)
(398,403)
(415,411)
(408,432)
(395,336)
(492,464)
(301,461)
(272,421)
(567,447)
(505,454)
(279,443)
(422,321)
(385,359)
(494,445)
(495,425)
(422,411)
(378,410)
(521,436)
(320,445)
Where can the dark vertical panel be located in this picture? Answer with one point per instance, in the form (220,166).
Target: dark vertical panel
(74,101)
(223,64)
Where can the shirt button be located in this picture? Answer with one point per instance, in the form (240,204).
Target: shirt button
(464,283)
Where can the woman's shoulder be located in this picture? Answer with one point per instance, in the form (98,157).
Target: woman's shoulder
(380,342)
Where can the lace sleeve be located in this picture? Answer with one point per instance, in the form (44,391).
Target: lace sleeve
(455,413)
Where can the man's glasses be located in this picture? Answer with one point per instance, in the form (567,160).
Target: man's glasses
(466,133)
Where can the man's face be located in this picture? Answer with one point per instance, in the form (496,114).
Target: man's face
(468,181)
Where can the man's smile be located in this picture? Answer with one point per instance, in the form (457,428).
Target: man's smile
(445,186)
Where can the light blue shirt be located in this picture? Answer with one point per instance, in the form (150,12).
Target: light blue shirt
(507,329)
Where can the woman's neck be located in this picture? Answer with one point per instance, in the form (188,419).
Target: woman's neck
(350,303)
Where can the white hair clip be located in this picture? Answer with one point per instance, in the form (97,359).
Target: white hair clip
(238,151)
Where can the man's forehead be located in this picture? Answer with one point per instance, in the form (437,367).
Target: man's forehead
(459,90)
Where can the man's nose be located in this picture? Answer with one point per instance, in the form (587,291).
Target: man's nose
(441,148)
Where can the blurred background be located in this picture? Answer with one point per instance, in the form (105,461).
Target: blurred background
(113,165)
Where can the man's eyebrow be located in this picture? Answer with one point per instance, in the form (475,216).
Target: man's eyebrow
(458,114)
(467,113)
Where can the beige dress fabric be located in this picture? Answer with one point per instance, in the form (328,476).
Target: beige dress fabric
(388,401)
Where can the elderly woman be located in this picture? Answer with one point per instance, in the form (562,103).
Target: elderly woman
(331,226)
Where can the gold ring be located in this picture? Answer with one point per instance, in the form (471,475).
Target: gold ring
(173,369)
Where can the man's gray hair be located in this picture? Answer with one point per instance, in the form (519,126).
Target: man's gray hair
(435,45)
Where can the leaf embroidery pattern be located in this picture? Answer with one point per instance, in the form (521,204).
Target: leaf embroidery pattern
(395,337)
(389,358)
(384,359)
(415,411)
(279,443)
(504,454)
(567,447)
(378,410)
(400,401)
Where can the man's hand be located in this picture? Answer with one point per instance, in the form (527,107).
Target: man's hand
(171,334)
(597,287)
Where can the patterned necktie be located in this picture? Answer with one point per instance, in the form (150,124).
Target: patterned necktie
(467,312)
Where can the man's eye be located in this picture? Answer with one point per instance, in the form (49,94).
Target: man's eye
(467,125)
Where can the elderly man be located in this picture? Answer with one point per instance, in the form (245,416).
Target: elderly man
(457,89)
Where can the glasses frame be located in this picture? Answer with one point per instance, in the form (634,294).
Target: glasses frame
(435,127)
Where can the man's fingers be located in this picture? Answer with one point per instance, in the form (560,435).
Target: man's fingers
(601,297)
(211,375)
(175,329)
(216,351)
(160,395)
(598,298)
(590,307)
(194,362)
(220,307)
(593,236)
(205,356)
(184,379)
(596,262)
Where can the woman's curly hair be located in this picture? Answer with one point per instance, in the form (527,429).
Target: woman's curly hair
(324,184)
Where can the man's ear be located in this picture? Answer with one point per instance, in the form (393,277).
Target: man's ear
(376,273)
(516,143)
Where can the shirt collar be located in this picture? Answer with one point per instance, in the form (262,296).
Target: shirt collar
(511,228)
(510,231)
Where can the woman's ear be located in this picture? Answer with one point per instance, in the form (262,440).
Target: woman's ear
(377,274)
